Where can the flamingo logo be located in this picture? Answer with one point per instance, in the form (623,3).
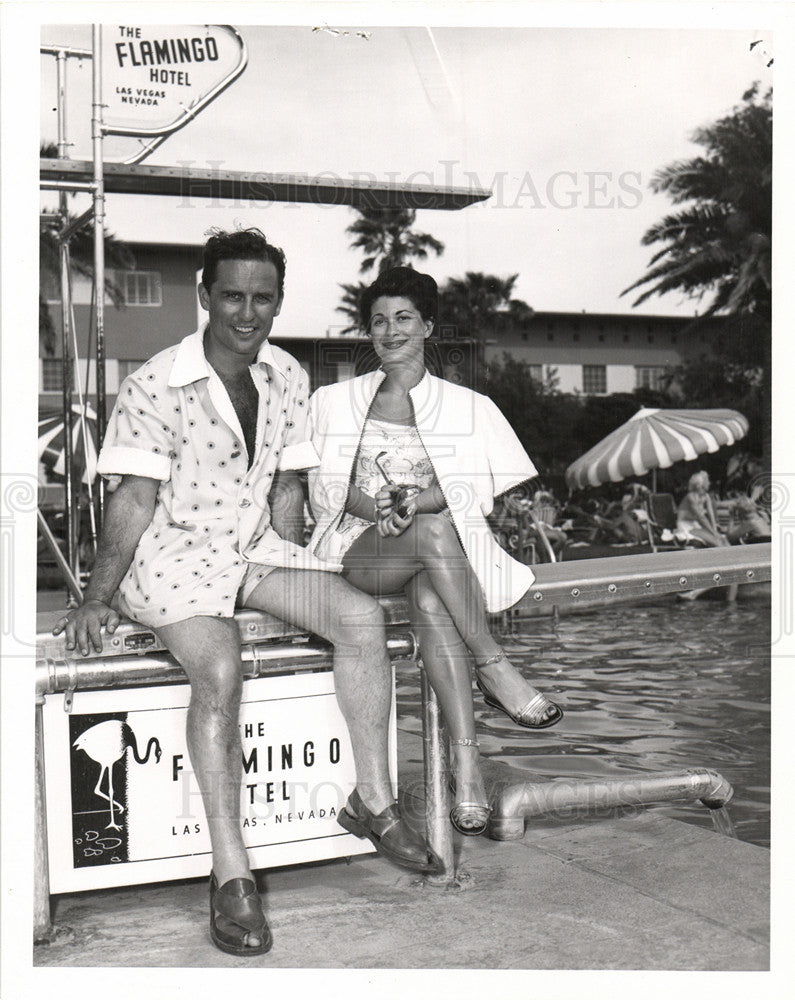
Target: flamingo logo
(106,743)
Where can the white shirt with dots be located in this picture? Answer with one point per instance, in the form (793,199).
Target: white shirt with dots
(210,540)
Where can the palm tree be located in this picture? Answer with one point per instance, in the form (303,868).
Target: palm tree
(719,242)
(476,304)
(387,239)
(81,247)
(349,306)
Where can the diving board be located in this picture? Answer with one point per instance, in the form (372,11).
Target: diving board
(591,583)
(235,186)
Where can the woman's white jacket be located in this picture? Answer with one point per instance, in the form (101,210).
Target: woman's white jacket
(474,452)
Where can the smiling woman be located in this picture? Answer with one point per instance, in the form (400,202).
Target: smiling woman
(445,453)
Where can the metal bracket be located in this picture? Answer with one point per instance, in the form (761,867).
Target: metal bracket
(71,686)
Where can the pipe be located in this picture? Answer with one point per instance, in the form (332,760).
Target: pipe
(541,532)
(43,930)
(48,185)
(109,671)
(54,50)
(436,770)
(97,136)
(513,804)
(75,225)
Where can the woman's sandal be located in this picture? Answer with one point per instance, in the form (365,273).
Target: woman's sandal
(525,717)
(474,810)
(236,915)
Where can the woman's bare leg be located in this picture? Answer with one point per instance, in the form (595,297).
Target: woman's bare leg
(384,565)
(446,662)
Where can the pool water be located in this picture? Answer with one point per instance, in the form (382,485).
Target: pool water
(651,687)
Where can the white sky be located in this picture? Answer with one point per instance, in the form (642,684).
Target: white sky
(529,112)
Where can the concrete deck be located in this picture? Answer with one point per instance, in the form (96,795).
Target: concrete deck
(631,891)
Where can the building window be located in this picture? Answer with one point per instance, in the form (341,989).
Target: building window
(139,288)
(594,379)
(649,376)
(51,375)
(127,368)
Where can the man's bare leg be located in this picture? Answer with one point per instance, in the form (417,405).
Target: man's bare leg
(323,603)
(208,649)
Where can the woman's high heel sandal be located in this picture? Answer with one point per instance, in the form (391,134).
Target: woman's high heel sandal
(474,812)
(527,717)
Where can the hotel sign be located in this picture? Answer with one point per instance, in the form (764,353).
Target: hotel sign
(156,77)
(123,804)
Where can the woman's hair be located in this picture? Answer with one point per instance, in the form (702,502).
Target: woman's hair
(697,478)
(241,244)
(402,282)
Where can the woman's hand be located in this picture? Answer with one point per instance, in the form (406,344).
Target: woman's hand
(388,520)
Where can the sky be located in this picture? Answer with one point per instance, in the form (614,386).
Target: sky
(567,126)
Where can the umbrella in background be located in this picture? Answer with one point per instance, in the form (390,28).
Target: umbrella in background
(655,439)
(84,449)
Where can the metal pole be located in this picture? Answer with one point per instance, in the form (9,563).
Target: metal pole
(438,829)
(513,804)
(47,185)
(42,919)
(71,672)
(66,311)
(72,584)
(99,237)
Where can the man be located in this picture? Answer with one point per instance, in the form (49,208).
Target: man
(199,436)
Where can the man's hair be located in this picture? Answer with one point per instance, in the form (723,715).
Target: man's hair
(242,244)
(405,283)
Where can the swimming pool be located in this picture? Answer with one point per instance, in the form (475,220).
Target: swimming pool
(650,687)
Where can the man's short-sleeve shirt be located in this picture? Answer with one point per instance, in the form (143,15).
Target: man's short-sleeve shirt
(174,422)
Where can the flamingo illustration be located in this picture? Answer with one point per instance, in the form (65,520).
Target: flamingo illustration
(106,743)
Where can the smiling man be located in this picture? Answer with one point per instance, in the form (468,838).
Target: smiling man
(207,438)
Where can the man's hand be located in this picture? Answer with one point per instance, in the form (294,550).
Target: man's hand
(85,623)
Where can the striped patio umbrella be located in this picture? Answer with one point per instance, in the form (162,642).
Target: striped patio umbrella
(655,439)
(51,442)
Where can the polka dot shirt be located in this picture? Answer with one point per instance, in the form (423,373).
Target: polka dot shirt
(210,536)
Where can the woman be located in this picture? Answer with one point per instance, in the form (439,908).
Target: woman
(453,452)
(695,516)
(695,520)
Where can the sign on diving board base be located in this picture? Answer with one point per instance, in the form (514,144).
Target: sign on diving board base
(123,805)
